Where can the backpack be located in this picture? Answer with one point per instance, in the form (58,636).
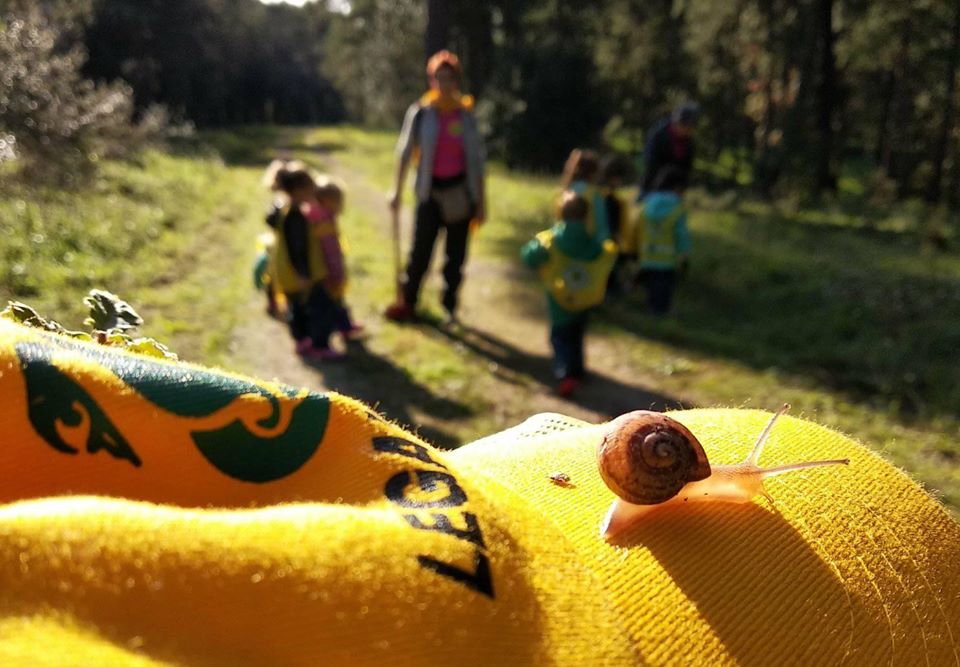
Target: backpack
(655,240)
(576,284)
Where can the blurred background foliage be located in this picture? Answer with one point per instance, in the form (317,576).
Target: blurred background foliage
(853,97)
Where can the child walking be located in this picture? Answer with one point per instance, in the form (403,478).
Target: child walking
(301,260)
(663,240)
(574,267)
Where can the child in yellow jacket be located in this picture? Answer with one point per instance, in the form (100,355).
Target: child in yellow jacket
(308,265)
(574,268)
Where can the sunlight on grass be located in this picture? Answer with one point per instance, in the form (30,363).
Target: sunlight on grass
(159,232)
(850,319)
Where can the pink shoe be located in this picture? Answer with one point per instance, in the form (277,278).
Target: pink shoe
(323,354)
(304,345)
(356,332)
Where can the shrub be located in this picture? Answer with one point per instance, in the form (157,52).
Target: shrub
(55,123)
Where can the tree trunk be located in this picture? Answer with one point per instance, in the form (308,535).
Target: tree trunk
(934,189)
(895,164)
(765,170)
(827,98)
(438,26)
(954,190)
(471,35)
(882,156)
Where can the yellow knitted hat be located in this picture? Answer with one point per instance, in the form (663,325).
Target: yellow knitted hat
(160,513)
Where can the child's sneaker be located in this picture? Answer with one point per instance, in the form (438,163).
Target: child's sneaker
(567,386)
(323,354)
(303,346)
(399,312)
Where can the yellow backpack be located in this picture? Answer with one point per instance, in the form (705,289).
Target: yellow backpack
(655,241)
(576,284)
(287,280)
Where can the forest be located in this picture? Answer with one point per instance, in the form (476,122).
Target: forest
(812,97)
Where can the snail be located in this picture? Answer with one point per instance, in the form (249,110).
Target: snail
(649,459)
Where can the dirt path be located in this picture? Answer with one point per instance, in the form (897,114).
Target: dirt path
(494,368)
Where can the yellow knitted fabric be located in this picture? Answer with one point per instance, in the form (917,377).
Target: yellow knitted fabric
(160,513)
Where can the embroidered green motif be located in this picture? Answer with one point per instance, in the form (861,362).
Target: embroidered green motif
(58,405)
(214,409)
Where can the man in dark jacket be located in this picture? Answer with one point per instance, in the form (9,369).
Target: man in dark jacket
(670,143)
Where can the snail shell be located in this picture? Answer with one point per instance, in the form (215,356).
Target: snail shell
(647,457)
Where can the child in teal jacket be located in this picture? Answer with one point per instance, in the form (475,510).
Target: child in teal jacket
(574,266)
(663,239)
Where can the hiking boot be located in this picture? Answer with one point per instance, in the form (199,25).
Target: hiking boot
(567,386)
(399,312)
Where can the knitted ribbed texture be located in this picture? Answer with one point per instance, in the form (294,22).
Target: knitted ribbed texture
(258,525)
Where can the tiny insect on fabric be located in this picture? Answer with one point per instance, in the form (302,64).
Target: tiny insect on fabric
(160,513)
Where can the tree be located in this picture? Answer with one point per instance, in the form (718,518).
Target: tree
(826,97)
(216,62)
(942,143)
(545,94)
(57,122)
(438,26)
(374,56)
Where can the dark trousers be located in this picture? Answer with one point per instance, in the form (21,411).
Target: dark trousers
(567,342)
(426,228)
(659,284)
(615,280)
(314,314)
(341,317)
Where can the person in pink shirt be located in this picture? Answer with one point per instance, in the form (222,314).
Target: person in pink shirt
(440,133)
(322,215)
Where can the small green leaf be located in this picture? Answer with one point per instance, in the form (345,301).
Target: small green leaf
(23,314)
(109,313)
(151,348)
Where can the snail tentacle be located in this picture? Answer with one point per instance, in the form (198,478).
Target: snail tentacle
(779,470)
(754,457)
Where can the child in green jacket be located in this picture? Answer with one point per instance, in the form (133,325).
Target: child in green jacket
(574,267)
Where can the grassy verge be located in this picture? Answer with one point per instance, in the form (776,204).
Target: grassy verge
(161,232)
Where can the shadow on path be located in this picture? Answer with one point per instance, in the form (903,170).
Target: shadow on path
(391,391)
(600,393)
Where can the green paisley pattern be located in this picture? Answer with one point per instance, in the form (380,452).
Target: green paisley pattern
(54,398)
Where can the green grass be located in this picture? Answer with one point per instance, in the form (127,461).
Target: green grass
(160,231)
(852,320)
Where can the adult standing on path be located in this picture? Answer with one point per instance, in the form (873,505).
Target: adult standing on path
(440,135)
(670,143)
